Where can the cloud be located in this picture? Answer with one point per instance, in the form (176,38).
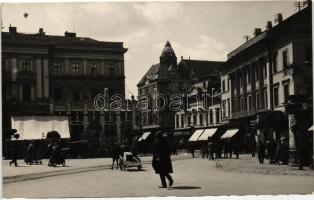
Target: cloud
(206,48)
(159,12)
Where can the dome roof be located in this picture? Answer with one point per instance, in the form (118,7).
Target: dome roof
(167,50)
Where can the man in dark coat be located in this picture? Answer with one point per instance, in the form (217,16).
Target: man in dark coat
(161,159)
(14,150)
(261,152)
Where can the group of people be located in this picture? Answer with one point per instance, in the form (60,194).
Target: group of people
(276,152)
(213,150)
(56,156)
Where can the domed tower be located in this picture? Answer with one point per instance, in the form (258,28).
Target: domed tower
(168,57)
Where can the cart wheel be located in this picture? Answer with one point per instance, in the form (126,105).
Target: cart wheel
(139,167)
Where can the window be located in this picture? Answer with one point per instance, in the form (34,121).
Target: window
(256,74)
(223,86)
(264,71)
(26,92)
(242,104)
(177,121)
(4,65)
(189,120)
(211,121)
(182,120)
(257,100)
(217,115)
(201,120)
(265,99)
(275,64)
(275,96)
(248,80)
(57,93)
(76,96)
(228,102)
(76,69)
(240,80)
(26,65)
(194,119)
(228,85)
(93,93)
(286,92)
(93,69)
(57,69)
(285,59)
(224,108)
(234,105)
(111,71)
(249,102)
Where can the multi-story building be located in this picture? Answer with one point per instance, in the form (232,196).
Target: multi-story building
(60,75)
(171,78)
(260,77)
(162,80)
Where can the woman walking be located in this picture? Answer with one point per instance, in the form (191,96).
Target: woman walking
(161,159)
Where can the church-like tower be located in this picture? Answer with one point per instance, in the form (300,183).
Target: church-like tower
(168,57)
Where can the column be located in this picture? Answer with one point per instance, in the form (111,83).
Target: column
(85,118)
(261,83)
(46,79)
(253,88)
(14,69)
(118,126)
(244,83)
(269,84)
(67,70)
(84,67)
(38,78)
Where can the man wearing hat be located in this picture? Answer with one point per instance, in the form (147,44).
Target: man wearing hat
(161,158)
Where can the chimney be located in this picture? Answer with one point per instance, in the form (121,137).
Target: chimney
(12,29)
(269,25)
(257,31)
(278,18)
(41,31)
(69,34)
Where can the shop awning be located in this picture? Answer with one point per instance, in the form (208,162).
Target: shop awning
(229,133)
(37,127)
(144,136)
(312,128)
(196,135)
(207,133)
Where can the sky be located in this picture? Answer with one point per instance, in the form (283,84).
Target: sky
(199,30)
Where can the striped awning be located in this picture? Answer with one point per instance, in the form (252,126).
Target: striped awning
(196,135)
(144,136)
(207,133)
(229,133)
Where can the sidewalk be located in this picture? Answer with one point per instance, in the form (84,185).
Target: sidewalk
(248,164)
(26,172)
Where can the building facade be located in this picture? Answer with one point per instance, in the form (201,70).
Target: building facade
(61,75)
(261,76)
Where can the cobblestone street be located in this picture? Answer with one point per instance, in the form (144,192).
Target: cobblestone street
(193,177)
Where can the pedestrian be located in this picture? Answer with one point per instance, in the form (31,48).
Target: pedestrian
(14,150)
(253,148)
(278,153)
(115,153)
(271,149)
(192,149)
(261,152)
(204,150)
(161,159)
(30,156)
(211,149)
(235,148)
